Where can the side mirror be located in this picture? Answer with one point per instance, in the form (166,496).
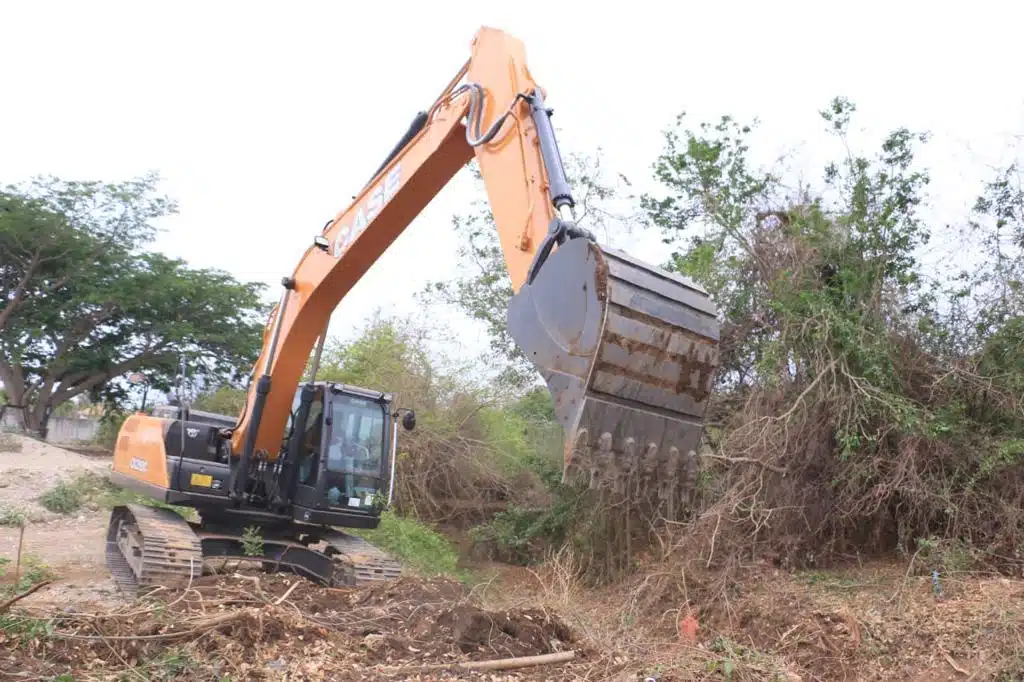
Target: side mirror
(321,242)
(409,420)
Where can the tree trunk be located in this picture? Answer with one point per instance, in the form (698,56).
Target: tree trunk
(16,406)
(27,417)
(43,427)
(24,416)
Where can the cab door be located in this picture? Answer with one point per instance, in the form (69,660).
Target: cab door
(309,465)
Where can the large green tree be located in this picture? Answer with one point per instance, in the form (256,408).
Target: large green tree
(53,231)
(85,304)
(868,400)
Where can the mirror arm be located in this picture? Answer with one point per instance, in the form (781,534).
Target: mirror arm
(394,456)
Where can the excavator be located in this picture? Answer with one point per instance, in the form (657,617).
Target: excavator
(628,352)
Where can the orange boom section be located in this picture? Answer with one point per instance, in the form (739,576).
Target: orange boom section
(628,351)
(514,179)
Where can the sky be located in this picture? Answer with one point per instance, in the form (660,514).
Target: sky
(265,118)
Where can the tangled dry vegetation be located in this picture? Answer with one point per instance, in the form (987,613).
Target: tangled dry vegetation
(876,622)
(249,627)
(866,406)
(858,441)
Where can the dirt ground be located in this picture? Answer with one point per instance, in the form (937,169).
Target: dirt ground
(73,542)
(867,622)
(861,624)
(34,467)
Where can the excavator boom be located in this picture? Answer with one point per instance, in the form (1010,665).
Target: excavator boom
(628,351)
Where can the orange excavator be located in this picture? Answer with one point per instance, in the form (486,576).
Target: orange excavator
(628,352)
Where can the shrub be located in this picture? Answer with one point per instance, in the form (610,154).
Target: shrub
(469,456)
(93,490)
(64,498)
(861,409)
(418,546)
(12,516)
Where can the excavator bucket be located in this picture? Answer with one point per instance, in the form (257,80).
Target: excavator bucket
(629,353)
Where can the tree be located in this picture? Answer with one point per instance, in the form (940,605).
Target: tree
(85,303)
(226,400)
(484,292)
(52,231)
(861,408)
(843,251)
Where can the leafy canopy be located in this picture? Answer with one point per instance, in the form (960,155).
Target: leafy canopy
(85,304)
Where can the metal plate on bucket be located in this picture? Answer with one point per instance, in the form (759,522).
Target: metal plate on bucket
(629,353)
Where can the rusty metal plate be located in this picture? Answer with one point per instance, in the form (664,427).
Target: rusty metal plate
(629,353)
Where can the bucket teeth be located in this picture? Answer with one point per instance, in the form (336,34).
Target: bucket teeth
(670,478)
(629,354)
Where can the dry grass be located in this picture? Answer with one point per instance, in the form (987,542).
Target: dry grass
(447,477)
(878,621)
(9,442)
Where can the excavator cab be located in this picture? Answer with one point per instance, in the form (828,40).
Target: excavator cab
(341,447)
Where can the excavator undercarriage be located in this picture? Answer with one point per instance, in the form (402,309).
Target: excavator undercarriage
(149,546)
(343,442)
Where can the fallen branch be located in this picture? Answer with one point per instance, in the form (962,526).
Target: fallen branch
(747,460)
(18,597)
(285,595)
(17,565)
(495,664)
(204,626)
(899,592)
(520,662)
(954,666)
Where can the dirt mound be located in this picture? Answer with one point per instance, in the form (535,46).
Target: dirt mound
(436,619)
(30,467)
(266,627)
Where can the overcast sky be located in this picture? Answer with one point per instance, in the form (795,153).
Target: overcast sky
(264,119)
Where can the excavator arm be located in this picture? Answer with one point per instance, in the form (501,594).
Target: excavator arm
(628,351)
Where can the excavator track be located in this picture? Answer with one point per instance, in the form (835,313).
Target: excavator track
(341,559)
(362,562)
(147,547)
